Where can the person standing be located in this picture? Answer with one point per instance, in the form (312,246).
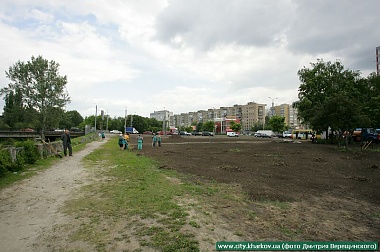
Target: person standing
(103,135)
(139,142)
(159,140)
(66,141)
(126,137)
(154,138)
(121,141)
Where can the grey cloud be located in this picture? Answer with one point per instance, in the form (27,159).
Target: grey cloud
(205,24)
(344,28)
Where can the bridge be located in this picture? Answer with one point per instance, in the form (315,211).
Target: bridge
(35,134)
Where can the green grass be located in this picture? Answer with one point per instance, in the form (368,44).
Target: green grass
(131,187)
(28,171)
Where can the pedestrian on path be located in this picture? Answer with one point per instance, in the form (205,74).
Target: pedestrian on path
(66,141)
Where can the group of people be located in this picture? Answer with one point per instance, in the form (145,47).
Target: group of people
(156,139)
(124,141)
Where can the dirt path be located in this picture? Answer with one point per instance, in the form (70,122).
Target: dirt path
(31,207)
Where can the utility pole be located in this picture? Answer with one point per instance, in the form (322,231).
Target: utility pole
(96,114)
(107,121)
(125,121)
(164,122)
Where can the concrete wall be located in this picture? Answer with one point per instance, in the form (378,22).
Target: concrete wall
(57,145)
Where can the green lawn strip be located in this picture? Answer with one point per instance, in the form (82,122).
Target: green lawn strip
(28,171)
(130,191)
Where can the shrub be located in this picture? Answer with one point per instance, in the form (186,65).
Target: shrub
(5,161)
(30,154)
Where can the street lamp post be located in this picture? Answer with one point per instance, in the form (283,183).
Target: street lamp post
(164,122)
(272,108)
(213,119)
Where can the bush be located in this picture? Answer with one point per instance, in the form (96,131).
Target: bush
(30,154)
(6,163)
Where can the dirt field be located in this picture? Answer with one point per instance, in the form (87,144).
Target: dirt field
(298,191)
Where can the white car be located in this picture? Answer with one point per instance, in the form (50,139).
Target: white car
(232,134)
(115,132)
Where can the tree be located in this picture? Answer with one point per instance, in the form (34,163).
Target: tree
(71,119)
(371,100)
(330,96)
(189,129)
(277,123)
(209,126)
(14,112)
(41,86)
(236,127)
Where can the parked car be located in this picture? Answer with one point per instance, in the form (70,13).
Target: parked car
(115,132)
(207,133)
(76,130)
(262,135)
(147,132)
(287,134)
(196,133)
(232,134)
(27,130)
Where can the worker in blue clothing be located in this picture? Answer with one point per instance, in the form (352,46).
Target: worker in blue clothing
(154,140)
(140,140)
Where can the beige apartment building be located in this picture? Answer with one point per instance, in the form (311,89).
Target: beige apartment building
(249,115)
(289,113)
(252,113)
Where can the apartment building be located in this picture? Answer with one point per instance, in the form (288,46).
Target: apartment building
(252,113)
(249,115)
(163,115)
(290,114)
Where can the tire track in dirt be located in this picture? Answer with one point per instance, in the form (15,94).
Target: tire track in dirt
(31,207)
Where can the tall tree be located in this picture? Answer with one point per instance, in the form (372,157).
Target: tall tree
(329,96)
(14,112)
(371,101)
(41,86)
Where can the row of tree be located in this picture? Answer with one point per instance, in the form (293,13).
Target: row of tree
(331,96)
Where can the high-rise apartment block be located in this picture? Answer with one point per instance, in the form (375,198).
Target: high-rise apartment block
(248,115)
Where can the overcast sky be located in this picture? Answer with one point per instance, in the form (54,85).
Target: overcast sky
(183,55)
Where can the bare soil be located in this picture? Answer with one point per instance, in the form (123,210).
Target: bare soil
(297,190)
